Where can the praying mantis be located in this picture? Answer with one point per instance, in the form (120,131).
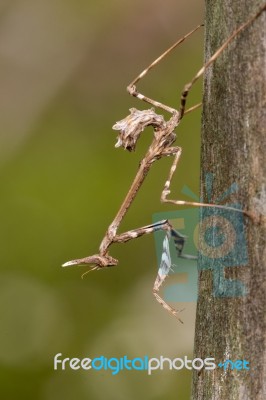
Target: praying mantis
(162,145)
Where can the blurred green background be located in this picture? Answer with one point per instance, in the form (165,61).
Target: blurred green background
(64,68)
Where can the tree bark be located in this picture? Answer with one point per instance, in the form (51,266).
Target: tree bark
(230,322)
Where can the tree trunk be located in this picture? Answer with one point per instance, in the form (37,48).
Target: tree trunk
(230,323)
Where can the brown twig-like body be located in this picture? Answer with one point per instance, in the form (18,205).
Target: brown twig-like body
(130,129)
